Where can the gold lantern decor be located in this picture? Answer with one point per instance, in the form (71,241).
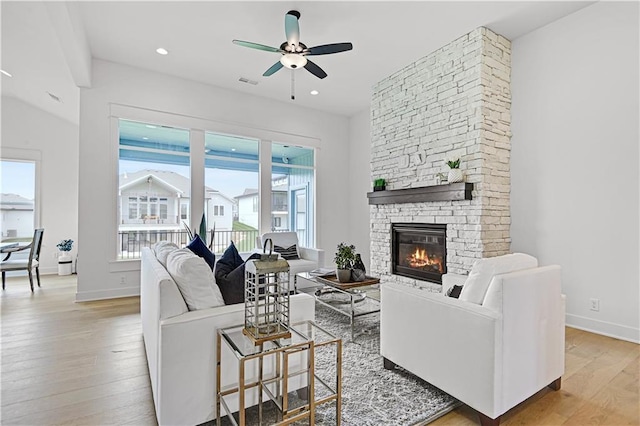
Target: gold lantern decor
(266,299)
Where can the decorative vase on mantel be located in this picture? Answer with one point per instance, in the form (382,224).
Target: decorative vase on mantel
(455,175)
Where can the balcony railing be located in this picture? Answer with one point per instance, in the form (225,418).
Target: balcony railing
(130,243)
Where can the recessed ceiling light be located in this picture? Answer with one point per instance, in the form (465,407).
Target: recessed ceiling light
(151,126)
(314,92)
(233,149)
(145,138)
(6,73)
(162,51)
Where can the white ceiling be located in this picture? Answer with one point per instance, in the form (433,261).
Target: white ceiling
(386,36)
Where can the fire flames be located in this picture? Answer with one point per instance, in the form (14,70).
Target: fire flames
(420,259)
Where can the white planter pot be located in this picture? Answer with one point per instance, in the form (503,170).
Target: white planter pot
(64,264)
(455,175)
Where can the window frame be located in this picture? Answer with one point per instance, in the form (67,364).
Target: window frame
(197,126)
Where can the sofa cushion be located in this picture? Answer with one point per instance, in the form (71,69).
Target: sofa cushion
(282,239)
(454,291)
(162,250)
(200,248)
(230,275)
(195,280)
(287,253)
(483,270)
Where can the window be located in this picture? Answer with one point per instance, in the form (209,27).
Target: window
(18,202)
(154,186)
(231,185)
(292,186)
(154,191)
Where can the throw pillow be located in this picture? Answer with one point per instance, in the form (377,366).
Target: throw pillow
(454,291)
(230,275)
(289,253)
(200,248)
(163,250)
(483,270)
(194,279)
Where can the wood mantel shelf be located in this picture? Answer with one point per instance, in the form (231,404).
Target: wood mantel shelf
(448,192)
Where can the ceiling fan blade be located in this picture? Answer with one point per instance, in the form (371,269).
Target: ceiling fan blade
(256,46)
(275,67)
(291,27)
(315,70)
(327,49)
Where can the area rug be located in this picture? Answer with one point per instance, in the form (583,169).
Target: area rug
(371,395)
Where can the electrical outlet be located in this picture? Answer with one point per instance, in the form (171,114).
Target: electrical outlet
(55,254)
(595,304)
(123,280)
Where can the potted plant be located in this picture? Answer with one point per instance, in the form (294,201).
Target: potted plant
(344,258)
(379,185)
(455,174)
(64,260)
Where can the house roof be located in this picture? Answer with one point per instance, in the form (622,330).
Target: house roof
(15,202)
(171,180)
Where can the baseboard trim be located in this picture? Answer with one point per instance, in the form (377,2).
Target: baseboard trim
(604,328)
(88,296)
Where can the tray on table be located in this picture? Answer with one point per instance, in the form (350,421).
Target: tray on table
(332,280)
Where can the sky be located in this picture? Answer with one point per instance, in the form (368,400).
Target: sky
(18,177)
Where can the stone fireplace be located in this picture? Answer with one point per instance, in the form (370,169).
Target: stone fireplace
(453,103)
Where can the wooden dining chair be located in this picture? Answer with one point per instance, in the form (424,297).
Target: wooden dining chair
(33,262)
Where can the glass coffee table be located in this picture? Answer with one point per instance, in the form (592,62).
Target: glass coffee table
(353,299)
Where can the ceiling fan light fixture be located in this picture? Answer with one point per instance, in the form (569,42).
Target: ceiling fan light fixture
(293,60)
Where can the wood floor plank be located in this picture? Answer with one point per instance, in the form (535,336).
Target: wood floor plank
(71,363)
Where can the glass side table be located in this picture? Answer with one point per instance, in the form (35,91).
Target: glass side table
(278,361)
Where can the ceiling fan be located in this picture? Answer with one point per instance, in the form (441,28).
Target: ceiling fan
(294,53)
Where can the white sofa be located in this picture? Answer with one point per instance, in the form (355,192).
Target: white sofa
(181,346)
(490,355)
(309,258)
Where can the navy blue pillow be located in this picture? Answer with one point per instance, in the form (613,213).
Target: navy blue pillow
(230,275)
(197,246)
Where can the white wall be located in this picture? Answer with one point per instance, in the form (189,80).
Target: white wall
(29,130)
(574,162)
(99,275)
(360,182)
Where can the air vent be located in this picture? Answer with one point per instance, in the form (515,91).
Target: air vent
(246,80)
(54,97)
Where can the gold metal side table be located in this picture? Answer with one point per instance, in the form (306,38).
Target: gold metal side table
(274,370)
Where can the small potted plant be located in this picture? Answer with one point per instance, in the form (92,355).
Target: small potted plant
(344,258)
(455,174)
(379,185)
(64,260)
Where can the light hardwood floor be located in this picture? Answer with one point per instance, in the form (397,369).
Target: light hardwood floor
(84,364)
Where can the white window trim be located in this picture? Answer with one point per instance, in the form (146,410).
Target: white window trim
(197,127)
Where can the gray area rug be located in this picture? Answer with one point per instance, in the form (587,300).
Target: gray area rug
(371,395)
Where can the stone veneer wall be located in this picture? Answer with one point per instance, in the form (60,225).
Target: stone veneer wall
(455,102)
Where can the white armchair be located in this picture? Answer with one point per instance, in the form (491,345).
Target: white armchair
(308,258)
(492,354)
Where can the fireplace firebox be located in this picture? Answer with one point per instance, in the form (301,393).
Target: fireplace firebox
(418,250)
